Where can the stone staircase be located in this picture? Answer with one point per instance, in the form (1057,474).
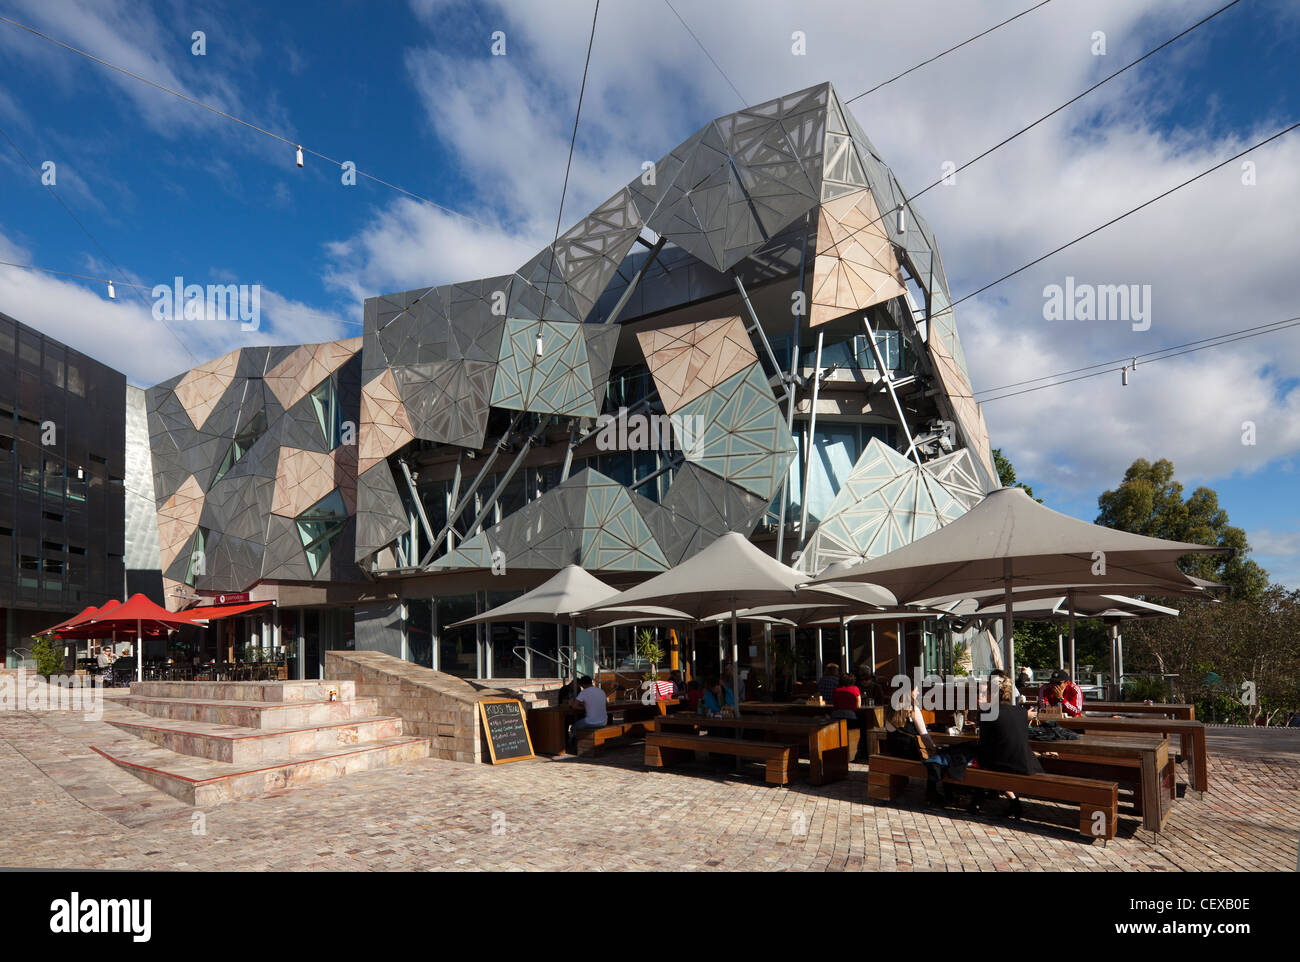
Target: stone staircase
(534,692)
(209,742)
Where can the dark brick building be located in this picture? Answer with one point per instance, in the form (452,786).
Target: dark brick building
(62,446)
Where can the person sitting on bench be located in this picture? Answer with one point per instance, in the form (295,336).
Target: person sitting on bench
(1061,691)
(829,681)
(1004,742)
(907,737)
(846,699)
(717,697)
(593,702)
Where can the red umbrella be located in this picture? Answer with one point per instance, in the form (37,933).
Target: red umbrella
(84,615)
(136,612)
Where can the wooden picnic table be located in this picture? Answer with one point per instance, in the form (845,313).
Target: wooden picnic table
(872,715)
(548,726)
(1182,712)
(1190,735)
(1178,710)
(827,740)
(1142,760)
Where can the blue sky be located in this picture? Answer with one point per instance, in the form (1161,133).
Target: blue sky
(411,94)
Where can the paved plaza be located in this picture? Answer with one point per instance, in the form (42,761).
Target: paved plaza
(64,806)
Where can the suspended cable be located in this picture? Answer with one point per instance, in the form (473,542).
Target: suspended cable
(148,287)
(568,166)
(700,44)
(1115,220)
(112,294)
(1073,100)
(1106,364)
(923,63)
(1290,323)
(299,148)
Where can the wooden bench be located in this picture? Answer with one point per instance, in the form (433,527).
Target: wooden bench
(663,748)
(590,740)
(1098,801)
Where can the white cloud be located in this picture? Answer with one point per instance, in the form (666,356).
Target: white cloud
(1218,255)
(123,333)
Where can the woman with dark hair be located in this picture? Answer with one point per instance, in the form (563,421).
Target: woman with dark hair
(1004,742)
(907,737)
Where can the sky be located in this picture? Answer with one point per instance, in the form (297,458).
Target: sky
(412,94)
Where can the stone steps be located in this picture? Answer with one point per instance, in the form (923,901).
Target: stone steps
(202,781)
(252,714)
(240,746)
(258,691)
(208,742)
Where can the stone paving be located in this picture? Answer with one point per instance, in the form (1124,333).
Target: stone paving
(63,806)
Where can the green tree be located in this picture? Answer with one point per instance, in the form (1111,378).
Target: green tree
(48,655)
(1007,474)
(1149,501)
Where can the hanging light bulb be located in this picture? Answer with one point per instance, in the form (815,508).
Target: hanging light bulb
(900,225)
(1123,373)
(1134,362)
(112,295)
(300,156)
(539,344)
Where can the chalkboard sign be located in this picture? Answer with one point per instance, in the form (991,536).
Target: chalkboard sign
(507,733)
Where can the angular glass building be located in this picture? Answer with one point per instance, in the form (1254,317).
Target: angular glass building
(753,335)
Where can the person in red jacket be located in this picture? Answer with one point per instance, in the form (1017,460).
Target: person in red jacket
(1060,690)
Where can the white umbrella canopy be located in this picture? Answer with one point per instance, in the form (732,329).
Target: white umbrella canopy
(569,590)
(1009,540)
(1192,588)
(729,575)
(1082,605)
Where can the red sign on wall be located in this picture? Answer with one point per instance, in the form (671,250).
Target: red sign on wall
(228,598)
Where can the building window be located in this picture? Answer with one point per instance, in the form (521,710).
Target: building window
(197,564)
(240,446)
(319,526)
(329,413)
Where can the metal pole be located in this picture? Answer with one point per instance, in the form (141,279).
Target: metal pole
(873,648)
(1008,622)
(636,279)
(139,650)
(1060,649)
(812,434)
(821,665)
(844,645)
(735,668)
(1069,600)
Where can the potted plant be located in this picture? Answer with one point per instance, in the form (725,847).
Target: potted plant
(648,649)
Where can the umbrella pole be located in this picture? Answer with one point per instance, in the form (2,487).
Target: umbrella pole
(1069,598)
(844,645)
(139,650)
(1114,662)
(1008,622)
(735,667)
(873,648)
(1060,649)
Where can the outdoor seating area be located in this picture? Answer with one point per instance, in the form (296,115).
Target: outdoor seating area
(1109,760)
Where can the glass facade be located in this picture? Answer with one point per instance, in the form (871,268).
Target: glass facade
(62,498)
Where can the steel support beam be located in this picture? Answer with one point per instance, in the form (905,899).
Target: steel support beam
(636,279)
(479,478)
